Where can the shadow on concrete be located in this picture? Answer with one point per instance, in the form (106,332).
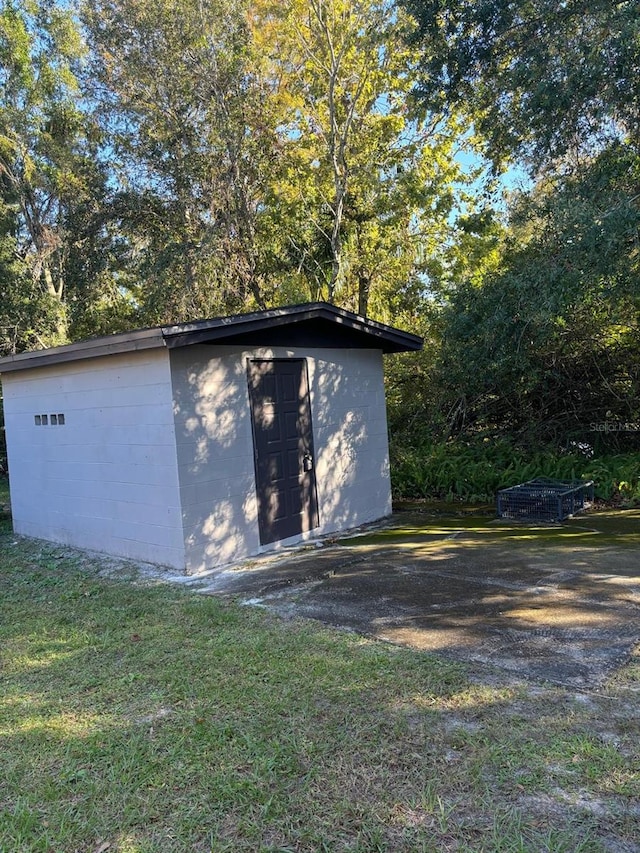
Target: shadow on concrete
(558,604)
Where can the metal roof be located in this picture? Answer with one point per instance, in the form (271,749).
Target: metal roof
(313,324)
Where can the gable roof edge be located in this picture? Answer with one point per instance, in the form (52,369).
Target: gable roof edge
(218,330)
(387,338)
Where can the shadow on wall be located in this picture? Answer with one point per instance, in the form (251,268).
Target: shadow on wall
(215,456)
(350,429)
(215,444)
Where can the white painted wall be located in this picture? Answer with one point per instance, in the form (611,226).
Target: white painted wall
(351,441)
(155,460)
(215,455)
(215,448)
(107,479)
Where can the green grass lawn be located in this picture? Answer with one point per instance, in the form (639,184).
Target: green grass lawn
(139,718)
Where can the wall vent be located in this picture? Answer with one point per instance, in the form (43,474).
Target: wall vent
(53,419)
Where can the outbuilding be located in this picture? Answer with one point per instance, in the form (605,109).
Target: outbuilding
(201,444)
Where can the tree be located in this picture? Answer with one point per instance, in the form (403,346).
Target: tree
(19,305)
(548,345)
(370,178)
(545,342)
(551,81)
(192,139)
(46,169)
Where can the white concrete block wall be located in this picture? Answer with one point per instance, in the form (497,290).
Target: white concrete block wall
(107,479)
(215,446)
(351,441)
(215,455)
(155,459)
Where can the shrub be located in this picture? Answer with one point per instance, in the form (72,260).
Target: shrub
(477,470)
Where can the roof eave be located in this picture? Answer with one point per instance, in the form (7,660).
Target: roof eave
(220,330)
(111,345)
(382,337)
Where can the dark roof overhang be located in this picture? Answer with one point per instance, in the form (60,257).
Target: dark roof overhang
(315,324)
(311,324)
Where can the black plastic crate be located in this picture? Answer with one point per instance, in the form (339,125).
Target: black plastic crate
(544,499)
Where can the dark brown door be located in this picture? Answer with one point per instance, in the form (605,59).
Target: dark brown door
(283,448)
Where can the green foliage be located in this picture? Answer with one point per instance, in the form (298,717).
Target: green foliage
(535,353)
(371,178)
(541,78)
(475,471)
(51,185)
(169,160)
(185,117)
(545,348)
(268,153)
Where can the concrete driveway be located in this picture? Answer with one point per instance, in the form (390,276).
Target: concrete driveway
(552,603)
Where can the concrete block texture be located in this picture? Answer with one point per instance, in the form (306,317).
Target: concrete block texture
(155,458)
(215,446)
(107,478)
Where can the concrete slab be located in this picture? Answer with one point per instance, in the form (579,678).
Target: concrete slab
(558,604)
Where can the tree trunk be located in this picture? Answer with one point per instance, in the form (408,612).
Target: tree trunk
(364,289)
(57,293)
